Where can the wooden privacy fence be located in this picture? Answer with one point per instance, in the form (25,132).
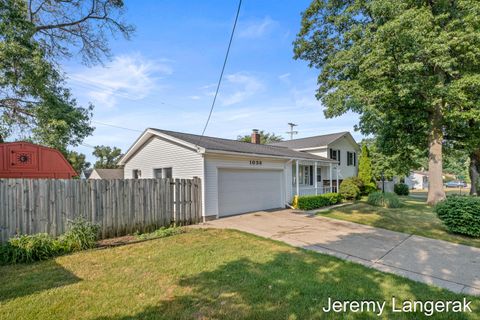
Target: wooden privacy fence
(119,207)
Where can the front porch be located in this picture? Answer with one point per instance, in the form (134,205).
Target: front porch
(314,177)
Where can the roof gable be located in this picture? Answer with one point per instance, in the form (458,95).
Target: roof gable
(213,144)
(315,141)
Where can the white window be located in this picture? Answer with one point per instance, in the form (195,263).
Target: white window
(351,158)
(319,174)
(164,173)
(335,155)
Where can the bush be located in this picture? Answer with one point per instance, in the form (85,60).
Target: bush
(369,188)
(401,189)
(41,246)
(460,214)
(350,188)
(29,248)
(387,199)
(81,235)
(315,202)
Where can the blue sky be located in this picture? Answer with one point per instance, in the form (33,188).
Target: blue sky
(165,76)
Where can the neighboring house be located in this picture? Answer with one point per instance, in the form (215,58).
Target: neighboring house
(236,176)
(33,161)
(107,174)
(417,180)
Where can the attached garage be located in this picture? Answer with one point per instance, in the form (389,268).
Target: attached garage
(245,190)
(237,177)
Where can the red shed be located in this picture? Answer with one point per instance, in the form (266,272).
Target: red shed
(28,160)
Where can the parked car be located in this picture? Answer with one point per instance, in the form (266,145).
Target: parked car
(456,184)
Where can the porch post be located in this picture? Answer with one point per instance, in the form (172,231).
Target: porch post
(315,178)
(336,172)
(331,176)
(296,178)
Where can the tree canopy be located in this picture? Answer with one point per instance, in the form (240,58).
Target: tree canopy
(409,68)
(107,157)
(78,161)
(35,36)
(265,137)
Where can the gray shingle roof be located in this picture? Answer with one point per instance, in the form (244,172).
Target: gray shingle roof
(311,142)
(110,173)
(220,144)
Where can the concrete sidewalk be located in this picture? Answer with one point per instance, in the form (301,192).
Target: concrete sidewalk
(444,264)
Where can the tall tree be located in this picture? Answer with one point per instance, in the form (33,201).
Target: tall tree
(265,137)
(78,161)
(403,65)
(365,167)
(107,157)
(35,36)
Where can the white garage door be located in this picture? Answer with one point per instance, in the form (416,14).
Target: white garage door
(243,190)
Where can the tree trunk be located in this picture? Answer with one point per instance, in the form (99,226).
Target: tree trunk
(474,171)
(435,168)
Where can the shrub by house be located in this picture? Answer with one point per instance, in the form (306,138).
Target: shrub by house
(315,202)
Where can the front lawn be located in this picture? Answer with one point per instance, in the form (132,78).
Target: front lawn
(203,274)
(415,217)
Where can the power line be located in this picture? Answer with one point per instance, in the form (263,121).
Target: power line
(116,126)
(223,67)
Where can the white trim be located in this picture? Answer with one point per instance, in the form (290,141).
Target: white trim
(264,156)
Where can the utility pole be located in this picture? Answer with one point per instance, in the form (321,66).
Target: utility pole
(292,132)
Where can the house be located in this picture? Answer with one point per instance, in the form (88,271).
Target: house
(33,161)
(339,146)
(107,174)
(237,176)
(417,180)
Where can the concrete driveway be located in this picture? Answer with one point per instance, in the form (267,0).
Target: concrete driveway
(444,264)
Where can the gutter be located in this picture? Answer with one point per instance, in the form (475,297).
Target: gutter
(267,156)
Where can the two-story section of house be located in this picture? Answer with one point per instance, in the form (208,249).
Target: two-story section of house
(340,146)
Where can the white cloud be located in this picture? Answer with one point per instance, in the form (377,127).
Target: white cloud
(126,77)
(257,28)
(285,78)
(239,87)
(195,97)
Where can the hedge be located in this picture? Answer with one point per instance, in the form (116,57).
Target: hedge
(315,202)
(460,214)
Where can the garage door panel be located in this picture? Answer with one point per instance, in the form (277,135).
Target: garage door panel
(243,190)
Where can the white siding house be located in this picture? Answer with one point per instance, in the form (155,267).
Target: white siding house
(159,153)
(236,176)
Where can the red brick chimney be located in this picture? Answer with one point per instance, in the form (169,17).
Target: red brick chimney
(255,136)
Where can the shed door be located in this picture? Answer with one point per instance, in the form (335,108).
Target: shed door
(243,190)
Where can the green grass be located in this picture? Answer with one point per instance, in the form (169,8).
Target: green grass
(414,217)
(203,274)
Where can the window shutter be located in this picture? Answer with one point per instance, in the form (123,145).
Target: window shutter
(338,156)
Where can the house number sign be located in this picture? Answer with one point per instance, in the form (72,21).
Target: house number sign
(256,162)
